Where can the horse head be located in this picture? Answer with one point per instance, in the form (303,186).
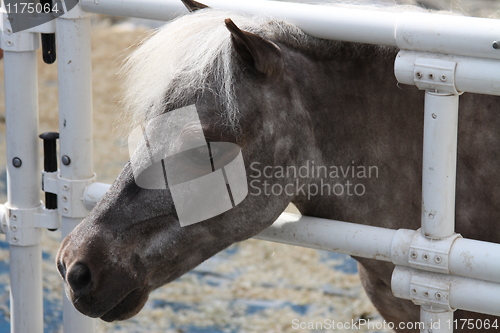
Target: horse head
(242,86)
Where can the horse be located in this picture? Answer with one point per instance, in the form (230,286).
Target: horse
(286,99)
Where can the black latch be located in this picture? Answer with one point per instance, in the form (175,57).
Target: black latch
(48,41)
(50,164)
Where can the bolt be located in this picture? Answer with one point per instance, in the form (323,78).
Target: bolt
(66,160)
(14,217)
(426,293)
(429,330)
(414,291)
(425,257)
(438,295)
(431,76)
(65,199)
(65,187)
(15,239)
(13,228)
(431,216)
(496,45)
(418,75)
(414,255)
(65,210)
(16,161)
(9,32)
(438,259)
(9,43)
(434,116)
(443,77)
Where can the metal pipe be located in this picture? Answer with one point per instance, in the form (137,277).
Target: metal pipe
(319,21)
(26,306)
(23,188)
(475,259)
(436,321)
(439,164)
(447,34)
(93,193)
(467,257)
(462,293)
(342,237)
(474,75)
(75,126)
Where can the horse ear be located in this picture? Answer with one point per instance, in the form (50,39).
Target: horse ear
(262,54)
(192,5)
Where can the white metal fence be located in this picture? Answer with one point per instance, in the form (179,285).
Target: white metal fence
(444,55)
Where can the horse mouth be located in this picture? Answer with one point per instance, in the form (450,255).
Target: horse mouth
(128,307)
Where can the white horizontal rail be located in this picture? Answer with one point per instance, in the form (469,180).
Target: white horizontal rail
(447,34)
(472,75)
(93,193)
(330,235)
(468,258)
(462,293)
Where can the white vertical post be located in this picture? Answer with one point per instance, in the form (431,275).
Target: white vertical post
(439,164)
(75,126)
(23,186)
(438,184)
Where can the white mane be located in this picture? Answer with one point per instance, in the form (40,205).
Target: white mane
(178,59)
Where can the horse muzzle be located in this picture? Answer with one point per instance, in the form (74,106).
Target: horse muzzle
(100,288)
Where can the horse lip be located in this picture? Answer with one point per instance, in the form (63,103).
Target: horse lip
(128,307)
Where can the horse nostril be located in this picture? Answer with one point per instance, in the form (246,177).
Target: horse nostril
(62,269)
(79,277)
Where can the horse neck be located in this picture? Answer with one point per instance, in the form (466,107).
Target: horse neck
(361,118)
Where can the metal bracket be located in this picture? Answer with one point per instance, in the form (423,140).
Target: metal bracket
(435,74)
(19,226)
(431,254)
(70,193)
(16,42)
(22,226)
(429,292)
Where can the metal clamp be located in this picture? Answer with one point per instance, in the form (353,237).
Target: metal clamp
(410,248)
(70,193)
(16,42)
(22,226)
(431,254)
(422,288)
(432,293)
(435,74)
